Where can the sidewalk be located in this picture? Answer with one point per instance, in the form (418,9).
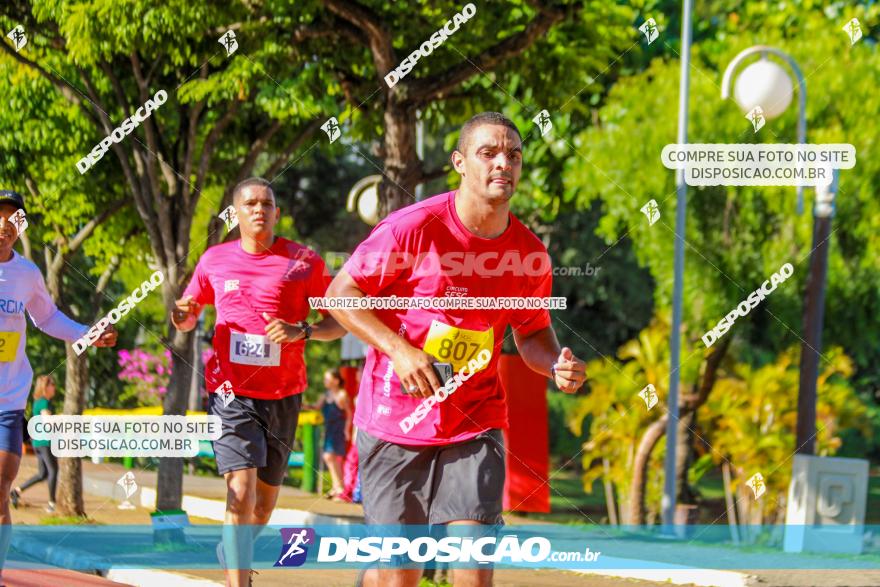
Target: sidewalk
(206,497)
(54,578)
(48,577)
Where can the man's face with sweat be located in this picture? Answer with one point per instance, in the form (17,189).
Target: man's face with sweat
(490,162)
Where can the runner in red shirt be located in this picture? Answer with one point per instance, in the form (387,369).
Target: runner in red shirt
(442,462)
(260,286)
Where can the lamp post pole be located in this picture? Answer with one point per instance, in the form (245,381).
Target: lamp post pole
(814,297)
(420,152)
(669,493)
(814,309)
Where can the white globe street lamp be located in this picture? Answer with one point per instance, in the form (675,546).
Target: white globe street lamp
(364,198)
(766,84)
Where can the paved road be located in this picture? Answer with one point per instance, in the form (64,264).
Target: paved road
(53,578)
(48,577)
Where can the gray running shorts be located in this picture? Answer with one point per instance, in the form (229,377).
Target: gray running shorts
(432,484)
(256,434)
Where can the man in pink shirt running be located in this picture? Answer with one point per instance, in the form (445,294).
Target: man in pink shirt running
(260,286)
(440,460)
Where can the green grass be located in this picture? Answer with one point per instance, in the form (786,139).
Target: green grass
(569,502)
(68,521)
(872,511)
(295,477)
(711,486)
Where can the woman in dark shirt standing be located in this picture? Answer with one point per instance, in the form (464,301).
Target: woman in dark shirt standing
(44,391)
(336,409)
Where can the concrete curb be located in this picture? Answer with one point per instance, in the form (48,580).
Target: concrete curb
(64,557)
(212,509)
(87,563)
(151,578)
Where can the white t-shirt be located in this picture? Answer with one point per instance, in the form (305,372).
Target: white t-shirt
(22,288)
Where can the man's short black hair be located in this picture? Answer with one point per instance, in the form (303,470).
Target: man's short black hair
(480,119)
(251,182)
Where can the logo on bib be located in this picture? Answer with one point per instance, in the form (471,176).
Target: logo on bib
(230,285)
(457,345)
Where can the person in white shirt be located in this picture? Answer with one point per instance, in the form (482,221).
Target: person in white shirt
(22,288)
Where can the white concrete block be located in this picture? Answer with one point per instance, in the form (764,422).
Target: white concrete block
(826,505)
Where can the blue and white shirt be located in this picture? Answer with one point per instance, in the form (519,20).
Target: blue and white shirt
(22,288)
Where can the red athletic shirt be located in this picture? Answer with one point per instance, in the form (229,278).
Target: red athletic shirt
(242,286)
(425,251)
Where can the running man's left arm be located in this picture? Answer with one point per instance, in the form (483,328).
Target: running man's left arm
(537,343)
(540,350)
(327,329)
(47,317)
(280,331)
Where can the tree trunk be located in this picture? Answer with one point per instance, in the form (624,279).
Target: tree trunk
(609,494)
(687,417)
(728,501)
(640,470)
(170,479)
(744,511)
(69,493)
(684,457)
(403,169)
(70,488)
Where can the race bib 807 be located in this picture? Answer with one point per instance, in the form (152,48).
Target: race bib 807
(457,345)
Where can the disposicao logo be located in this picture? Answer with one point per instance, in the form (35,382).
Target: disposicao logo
(426,48)
(295,546)
(123,130)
